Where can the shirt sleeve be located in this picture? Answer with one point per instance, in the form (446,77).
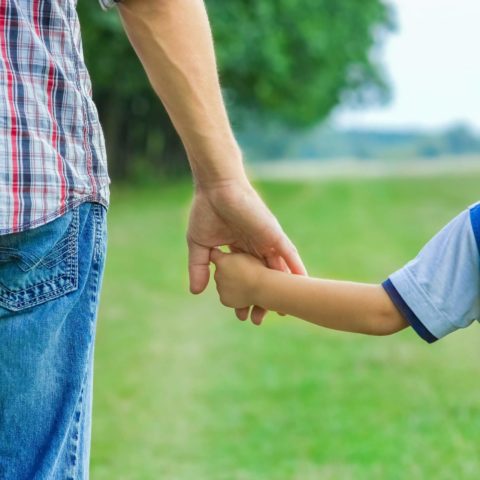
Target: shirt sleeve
(107,4)
(438,292)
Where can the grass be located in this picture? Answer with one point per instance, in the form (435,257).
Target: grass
(184,391)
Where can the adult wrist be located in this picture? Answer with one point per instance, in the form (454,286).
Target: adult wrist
(225,189)
(221,168)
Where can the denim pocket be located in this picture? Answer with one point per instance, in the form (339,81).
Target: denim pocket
(40,264)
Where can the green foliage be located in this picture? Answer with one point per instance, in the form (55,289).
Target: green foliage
(284,61)
(296,59)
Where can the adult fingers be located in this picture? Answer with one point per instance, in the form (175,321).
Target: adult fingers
(286,268)
(275,262)
(198,267)
(289,253)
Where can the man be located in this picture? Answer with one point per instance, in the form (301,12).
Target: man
(53,199)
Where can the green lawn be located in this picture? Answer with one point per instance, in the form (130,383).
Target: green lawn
(185,391)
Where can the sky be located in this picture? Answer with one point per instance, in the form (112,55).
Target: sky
(433,63)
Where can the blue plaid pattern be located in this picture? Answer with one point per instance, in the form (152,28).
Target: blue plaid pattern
(52,152)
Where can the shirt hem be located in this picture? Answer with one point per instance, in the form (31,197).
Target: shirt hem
(407,312)
(421,304)
(94,198)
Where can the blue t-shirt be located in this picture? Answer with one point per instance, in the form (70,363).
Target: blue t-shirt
(438,292)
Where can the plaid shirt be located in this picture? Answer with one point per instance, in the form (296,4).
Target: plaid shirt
(52,153)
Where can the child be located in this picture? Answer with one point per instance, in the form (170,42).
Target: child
(436,293)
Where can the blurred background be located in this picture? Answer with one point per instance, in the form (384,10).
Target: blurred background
(360,125)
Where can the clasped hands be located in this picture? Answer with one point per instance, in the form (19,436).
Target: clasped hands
(231,213)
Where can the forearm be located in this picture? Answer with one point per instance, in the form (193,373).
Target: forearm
(174,43)
(347,306)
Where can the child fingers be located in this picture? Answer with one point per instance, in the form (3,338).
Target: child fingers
(257,315)
(242,313)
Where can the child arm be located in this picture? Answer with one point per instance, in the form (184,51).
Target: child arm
(354,307)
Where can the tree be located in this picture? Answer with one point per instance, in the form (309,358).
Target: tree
(297,59)
(288,61)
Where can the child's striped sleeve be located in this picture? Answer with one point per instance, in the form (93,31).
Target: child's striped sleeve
(438,292)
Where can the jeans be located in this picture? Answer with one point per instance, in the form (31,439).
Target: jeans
(50,279)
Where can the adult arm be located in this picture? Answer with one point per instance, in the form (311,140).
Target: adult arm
(173,40)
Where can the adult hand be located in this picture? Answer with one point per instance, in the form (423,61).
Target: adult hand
(232,213)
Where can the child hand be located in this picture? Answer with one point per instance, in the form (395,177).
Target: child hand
(236,277)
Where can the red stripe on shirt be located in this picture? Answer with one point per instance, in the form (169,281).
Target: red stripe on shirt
(61,173)
(50,87)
